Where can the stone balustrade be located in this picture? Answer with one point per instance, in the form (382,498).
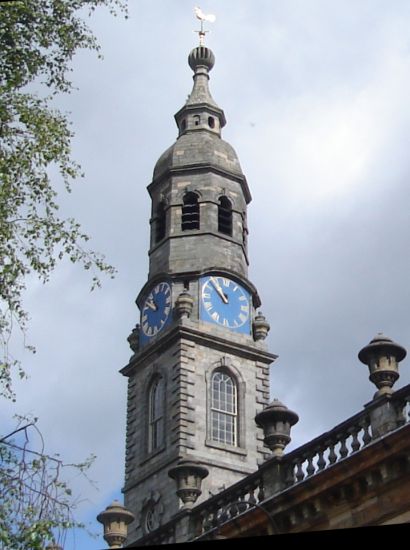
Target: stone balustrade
(329,448)
(280,473)
(345,439)
(226,505)
(306,461)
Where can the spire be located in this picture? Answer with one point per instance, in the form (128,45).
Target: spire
(201,112)
(201,60)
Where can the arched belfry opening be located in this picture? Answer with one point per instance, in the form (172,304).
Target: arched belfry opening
(190,212)
(225,216)
(160,222)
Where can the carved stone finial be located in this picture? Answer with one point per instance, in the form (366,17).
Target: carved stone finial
(276,420)
(260,327)
(188,475)
(184,305)
(115,519)
(134,338)
(382,356)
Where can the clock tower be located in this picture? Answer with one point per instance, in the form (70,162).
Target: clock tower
(200,369)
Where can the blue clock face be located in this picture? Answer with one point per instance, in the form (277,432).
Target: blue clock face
(156,310)
(225,303)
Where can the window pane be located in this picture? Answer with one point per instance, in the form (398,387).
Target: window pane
(156,415)
(223,409)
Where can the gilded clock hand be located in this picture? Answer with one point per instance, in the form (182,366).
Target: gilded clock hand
(152,306)
(219,290)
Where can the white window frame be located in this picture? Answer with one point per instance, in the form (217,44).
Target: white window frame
(156,414)
(224,409)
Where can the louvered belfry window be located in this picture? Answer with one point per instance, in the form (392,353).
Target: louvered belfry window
(225,216)
(160,226)
(190,212)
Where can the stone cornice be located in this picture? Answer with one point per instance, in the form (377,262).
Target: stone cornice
(200,168)
(189,330)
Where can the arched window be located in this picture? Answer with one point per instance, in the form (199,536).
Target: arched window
(225,216)
(160,224)
(190,212)
(156,420)
(224,409)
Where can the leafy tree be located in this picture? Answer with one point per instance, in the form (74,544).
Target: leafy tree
(36,503)
(38,39)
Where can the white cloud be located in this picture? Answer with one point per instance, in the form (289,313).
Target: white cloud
(316,97)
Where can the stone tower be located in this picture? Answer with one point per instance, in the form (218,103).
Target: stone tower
(200,369)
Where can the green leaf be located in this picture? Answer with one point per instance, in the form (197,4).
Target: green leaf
(38,39)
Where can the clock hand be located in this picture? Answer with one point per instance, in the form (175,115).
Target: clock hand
(152,306)
(219,290)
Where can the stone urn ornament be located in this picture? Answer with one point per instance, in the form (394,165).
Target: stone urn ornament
(276,420)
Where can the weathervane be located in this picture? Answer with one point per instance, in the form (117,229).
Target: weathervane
(203,17)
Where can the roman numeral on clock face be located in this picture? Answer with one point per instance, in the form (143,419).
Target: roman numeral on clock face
(156,309)
(225,302)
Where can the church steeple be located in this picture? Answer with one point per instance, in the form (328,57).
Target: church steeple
(200,368)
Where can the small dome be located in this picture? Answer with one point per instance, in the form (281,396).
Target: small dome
(382,344)
(201,57)
(381,338)
(278,410)
(199,148)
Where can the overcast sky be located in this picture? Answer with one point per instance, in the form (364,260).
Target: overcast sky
(316,95)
